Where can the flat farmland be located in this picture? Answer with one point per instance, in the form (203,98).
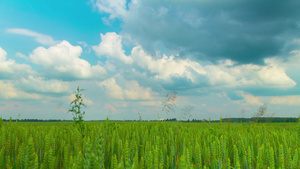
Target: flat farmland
(173,145)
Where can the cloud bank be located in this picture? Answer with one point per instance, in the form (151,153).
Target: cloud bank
(245,32)
(170,70)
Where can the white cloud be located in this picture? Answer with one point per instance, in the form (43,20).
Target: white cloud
(8,91)
(86,47)
(250,99)
(292,63)
(9,69)
(165,68)
(218,76)
(133,90)
(83,43)
(62,60)
(248,75)
(111,47)
(3,54)
(112,88)
(225,75)
(275,76)
(40,85)
(286,100)
(290,100)
(111,108)
(21,55)
(21,80)
(41,38)
(116,8)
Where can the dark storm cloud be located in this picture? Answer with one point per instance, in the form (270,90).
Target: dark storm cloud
(244,31)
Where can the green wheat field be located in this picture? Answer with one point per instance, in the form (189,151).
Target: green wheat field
(171,145)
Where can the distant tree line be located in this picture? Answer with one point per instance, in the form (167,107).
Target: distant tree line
(255,119)
(237,120)
(173,119)
(35,120)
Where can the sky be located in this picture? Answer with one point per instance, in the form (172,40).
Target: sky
(221,58)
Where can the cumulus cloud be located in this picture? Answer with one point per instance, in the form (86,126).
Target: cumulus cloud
(8,91)
(249,75)
(20,80)
(189,73)
(43,86)
(63,61)
(291,64)
(250,99)
(9,69)
(112,88)
(111,47)
(243,32)
(41,38)
(3,54)
(132,91)
(135,92)
(166,67)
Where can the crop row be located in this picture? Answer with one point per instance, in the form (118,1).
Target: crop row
(149,145)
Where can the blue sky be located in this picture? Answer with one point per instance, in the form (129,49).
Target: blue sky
(223,58)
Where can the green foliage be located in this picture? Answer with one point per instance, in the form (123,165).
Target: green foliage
(148,145)
(76,108)
(298,132)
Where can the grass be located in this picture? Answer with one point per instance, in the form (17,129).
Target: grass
(141,144)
